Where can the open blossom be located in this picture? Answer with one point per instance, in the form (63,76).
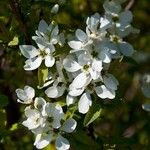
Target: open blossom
(26,95)
(89,69)
(105,90)
(49,34)
(37,55)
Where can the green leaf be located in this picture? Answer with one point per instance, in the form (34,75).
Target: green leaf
(3,101)
(42,75)
(14,42)
(93,114)
(14,127)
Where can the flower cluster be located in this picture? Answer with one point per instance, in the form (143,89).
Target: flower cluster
(46,120)
(81,73)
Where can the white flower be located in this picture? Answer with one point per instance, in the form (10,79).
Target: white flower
(96,26)
(34,119)
(49,34)
(82,43)
(42,140)
(89,69)
(61,143)
(35,56)
(26,95)
(55,114)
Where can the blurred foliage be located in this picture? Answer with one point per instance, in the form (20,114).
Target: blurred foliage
(122,123)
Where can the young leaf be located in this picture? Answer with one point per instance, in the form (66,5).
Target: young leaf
(93,114)
(42,75)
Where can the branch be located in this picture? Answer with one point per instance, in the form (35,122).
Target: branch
(129,5)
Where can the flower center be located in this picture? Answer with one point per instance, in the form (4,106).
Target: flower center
(115,38)
(115,18)
(94,54)
(86,67)
(43,53)
(50,119)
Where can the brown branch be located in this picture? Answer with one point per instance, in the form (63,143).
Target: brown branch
(15,9)
(130,4)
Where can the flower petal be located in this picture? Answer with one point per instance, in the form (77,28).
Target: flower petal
(30,92)
(77,45)
(62,143)
(80,80)
(103,92)
(70,65)
(55,91)
(110,82)
(97,65)
(84,103)
(49,61)
(69,125)
(81,35)
(70,100)
(29,51)
(126,49)
(42,26)
(32,64)
(42,141)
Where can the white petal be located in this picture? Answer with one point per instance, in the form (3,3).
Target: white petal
(39,103)
(97,65)
(32,64)
(49,61)
(42,26)
(103,92)
(104,23)
(70,65)
(21,95)
(83,59)
(80,80)
(55,31)
(42,141)
(41,43)
(69,125)
(84,103)
(70,100)
(62,143)
(105,56)
(77,45)
(125,18)
(94,74)
(81,35)
(126,49)
(29,51)
(29,91)
(55,91)
(75,92)
(111,7)
(110,82)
